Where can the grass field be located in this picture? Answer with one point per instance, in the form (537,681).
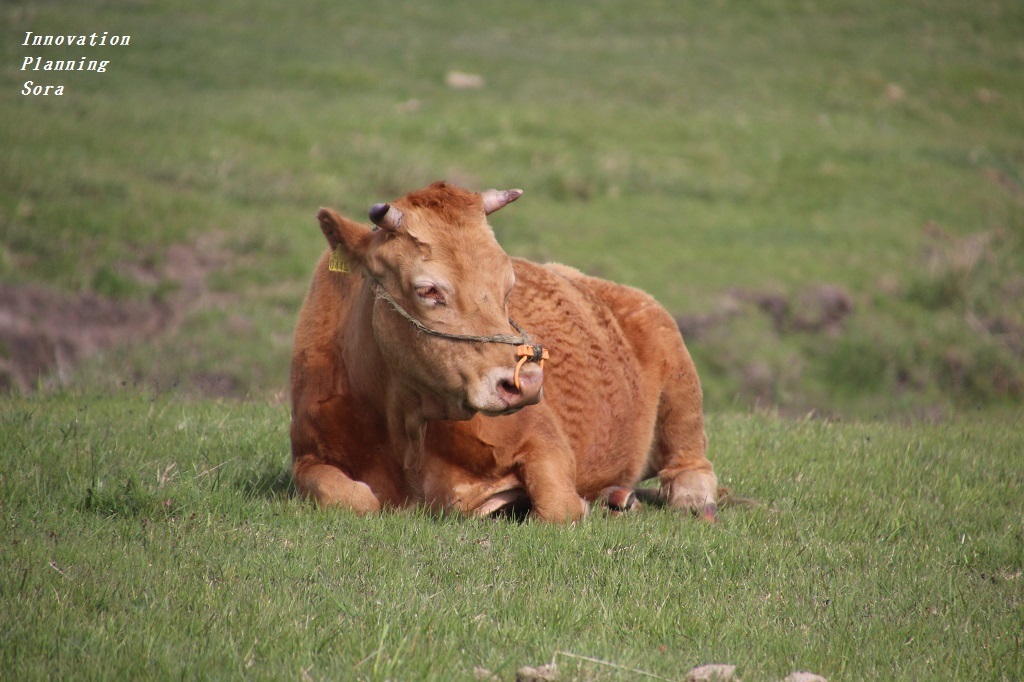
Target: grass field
(830,197)
(731,158)
(161,539)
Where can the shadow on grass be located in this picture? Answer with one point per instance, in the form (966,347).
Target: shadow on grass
(126,499)
(273,482)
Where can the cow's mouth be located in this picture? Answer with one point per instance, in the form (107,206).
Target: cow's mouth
(499,406)
(501,412)
(465,409)
(509,399)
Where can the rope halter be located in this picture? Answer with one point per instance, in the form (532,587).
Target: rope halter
(525,350)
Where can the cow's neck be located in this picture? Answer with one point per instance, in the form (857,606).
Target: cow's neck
(408,411)
(407,430)
(369,380)
(406,407)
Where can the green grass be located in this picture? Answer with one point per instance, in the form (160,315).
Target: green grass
(159,538)
(708,152)
(691,151)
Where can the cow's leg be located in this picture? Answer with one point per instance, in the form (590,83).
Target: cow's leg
(547,467)
(550,481)
(329,486)
(620,499)
(687,478)
(678,452)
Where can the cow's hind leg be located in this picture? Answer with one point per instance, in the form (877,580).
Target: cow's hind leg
(329,486)
(687,478)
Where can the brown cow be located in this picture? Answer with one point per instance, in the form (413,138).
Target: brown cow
(418,373)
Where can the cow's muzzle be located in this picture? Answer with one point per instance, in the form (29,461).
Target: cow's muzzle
(520,387)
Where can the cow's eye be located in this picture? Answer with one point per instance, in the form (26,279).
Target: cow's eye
(430,294)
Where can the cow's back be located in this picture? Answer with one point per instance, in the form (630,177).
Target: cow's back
(603,382)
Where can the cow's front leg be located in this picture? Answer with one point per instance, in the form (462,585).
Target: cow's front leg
(550,481)
(329,486)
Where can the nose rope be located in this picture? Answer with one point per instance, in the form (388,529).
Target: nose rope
(525,351)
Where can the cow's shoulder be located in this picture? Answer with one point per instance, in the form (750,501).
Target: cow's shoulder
(325,327)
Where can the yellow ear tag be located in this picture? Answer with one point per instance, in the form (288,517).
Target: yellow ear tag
(337,263)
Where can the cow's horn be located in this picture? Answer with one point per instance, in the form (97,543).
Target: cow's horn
(385,216)
(496,198)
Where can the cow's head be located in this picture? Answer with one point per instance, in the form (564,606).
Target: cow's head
(436,256)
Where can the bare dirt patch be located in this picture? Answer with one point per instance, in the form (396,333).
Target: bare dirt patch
(818,308)
(45,332)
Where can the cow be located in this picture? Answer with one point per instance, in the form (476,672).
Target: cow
(431,369)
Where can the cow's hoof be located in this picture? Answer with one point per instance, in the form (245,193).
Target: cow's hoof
(620,499)
(710,513)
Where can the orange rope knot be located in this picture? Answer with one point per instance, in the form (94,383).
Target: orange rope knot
(528,353)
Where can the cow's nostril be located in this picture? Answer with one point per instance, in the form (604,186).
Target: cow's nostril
(506,386)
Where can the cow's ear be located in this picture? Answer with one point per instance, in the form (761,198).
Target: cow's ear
(342,232)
